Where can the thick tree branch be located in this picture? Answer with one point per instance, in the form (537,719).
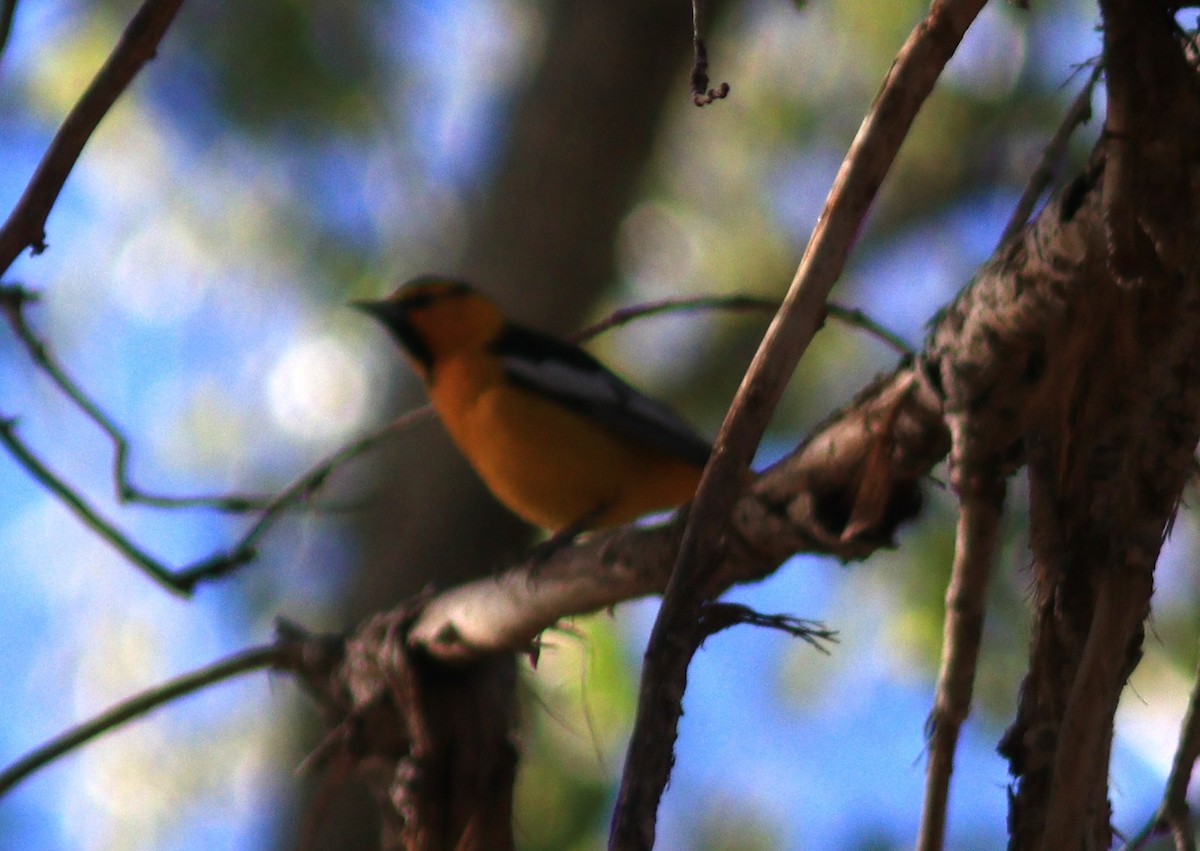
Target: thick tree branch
(434,743)
(803,503)
(1105,319)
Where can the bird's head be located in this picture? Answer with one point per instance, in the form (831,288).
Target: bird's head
(433,317)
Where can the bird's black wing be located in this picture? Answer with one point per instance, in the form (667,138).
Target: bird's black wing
(568,374)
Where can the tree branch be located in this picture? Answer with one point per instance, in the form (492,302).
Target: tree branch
(702,549)
(702,95)
(179,582)
(1174,816)
(800,504)
(12,302)
(852,317)
(8,8)
(26,225)
(283,655)
(981,496)
(1079,113)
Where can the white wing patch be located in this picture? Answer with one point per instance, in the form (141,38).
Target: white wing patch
(610,400)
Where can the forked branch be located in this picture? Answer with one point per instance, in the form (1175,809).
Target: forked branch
(650,755)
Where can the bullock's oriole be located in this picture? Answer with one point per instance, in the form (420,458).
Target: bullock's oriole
(557,437)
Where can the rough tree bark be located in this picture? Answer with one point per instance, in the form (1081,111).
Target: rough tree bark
(1114,422)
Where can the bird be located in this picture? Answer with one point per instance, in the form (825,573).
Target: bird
(555,435)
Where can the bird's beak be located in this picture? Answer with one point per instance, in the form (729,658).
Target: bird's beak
(385,311)
(394,316)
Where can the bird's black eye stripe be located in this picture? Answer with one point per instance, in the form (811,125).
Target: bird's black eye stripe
(415,344)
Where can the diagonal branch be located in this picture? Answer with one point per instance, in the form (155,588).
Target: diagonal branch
(1174,815)
(12,302)
(313,658)
(282,655)
(178,582)
(26,224)
(1079,113)
(8,8)
(911,79)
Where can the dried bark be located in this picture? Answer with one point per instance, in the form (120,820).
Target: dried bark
(1079,344)
(434,743)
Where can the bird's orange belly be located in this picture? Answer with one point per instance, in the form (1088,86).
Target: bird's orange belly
(554,467)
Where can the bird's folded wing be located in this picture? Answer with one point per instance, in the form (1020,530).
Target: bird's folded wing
(568,374)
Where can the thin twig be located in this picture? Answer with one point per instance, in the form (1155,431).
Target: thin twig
(974,554)
(312,480)
(280,656)
(702,95)
(1079,114)
(180,582)
(721,616)
(184,580)
(1173,814)
(12,302)
(853,317)
(910,80)
(246,549)
(26,225)
(7,9)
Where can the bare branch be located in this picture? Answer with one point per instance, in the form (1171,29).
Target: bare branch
(911,79)
(702,95)
(301,489)
(26,224)
(7,9)
(797,505)
(1174,815)
(981,496)
(282,655)
(183,580)
(853,317)
(12,302)
(1079,113)
(721,616)
(178,582)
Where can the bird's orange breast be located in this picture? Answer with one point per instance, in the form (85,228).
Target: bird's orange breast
(547,463)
